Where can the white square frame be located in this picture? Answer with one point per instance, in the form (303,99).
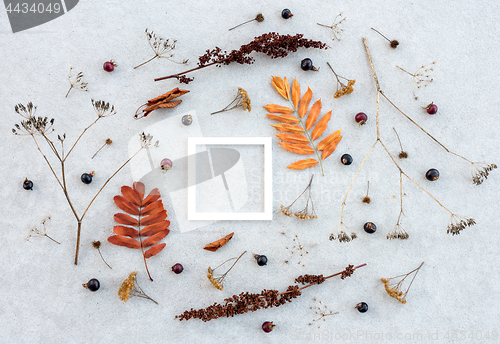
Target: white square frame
(268,179)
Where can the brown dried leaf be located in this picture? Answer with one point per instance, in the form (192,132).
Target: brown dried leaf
(155,238)
(125,205)
(313,114)
(321,126)
(169,105)
(214,246)
(327,140)
(139,189)
(330,148)
(292,128)
(154,195)
(297,148)
(302,164)
(293,138)
(125,219)
(284,118)
(304,103)
(176,92)
(126,231)
(154,250)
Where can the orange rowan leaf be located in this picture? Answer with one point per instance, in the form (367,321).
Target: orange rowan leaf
(124,219)
(279,85)
(297,148)
(126,231)
(304,102)
(131,195)
(313,114)
(153,196)
(274,108)
(302,164)
(139,189)
(327,140)
(284,118)
(287,88)
(154,250)
(155,228)
(125,205)
(295,93)
(330,148)
(214,246)
(152,208)
(155,238)
(149,220)
(292,128)
(293,138)
(122,241)
(321,126)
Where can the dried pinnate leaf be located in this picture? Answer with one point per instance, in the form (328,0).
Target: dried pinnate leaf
(161,102)
(284,118)
(321,126)
(214,246)
(297,148)
(273,108)
(150,214)
(303,164)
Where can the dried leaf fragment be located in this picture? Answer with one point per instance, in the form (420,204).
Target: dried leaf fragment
(330,148)
(274,108)
(160,102)
(293,138)
(284,118)
(303,164)
(214,246)
(329,139)
(292,128)
(313,114)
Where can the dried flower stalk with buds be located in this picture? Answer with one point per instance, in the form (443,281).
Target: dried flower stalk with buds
(217,282)
(76,82)
(40,126)
(240,101)
(321,310)
(304,213)
(335,28)
(163,48)
(40,233)
(247,302)
(97,246)
(297,248)
(394,288)
(130,288)
(342,89)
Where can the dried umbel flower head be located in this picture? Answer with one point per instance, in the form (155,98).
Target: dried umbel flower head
(393,43)
(480,171)
(458,224)
(342,89)
(240,101)
(34,126)
(393,286)
(217,281)
(97,246)
(147,141)
(297,248)
(27,111)
(103,109)
(40,233)
(76,82)
(259,18)
(397,232)
(163,48)
(306,213)
(422,77)
(131,288)
(335,27)
(322,311)
(342,235)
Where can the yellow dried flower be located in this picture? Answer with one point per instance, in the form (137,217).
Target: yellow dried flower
(217,281)
(127,285)
(241,100)
(394,289)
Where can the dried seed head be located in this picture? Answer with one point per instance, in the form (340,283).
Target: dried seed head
(394,44)
(366,200)
(96,244)
(259,17)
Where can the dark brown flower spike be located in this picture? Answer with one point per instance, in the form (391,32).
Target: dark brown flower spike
(393,43)
(402,154)
(97,246)
(259,18)
(160,102)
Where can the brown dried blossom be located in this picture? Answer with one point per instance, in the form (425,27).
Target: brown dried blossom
(76,82)
(458,224)
(393,43)
(480,171)
(305,279)
(402,154)
(304,214)
(394,289)
(106,143)
(367,199)
(163,48)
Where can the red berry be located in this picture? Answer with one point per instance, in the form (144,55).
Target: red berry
(177,268)
(166,164)
(432,109)
(109,66)
(268,326)
(361,118)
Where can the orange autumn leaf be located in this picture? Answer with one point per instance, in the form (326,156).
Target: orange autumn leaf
(287,88)
(321,126)
(153,196)
(284,118)
(123,241)
(330,148)
(153,208)
(279,85)
(214,246)
(154,250)
(295,93)
(131,195)
(125,205)
(302,164)
(155,238)
(274,108)
(292,128)
(155,228)
(293,138)
(148,220)
(327,140)
(126,231)
(124,219)
(313,114)
(297,148)
(304,102)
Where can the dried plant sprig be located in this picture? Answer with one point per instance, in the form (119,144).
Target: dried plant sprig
(240,101)
(272,44)
(402,154)
(130,288)
(76,82)
(342,89)
(297,248)
(398,232)
(344,233)
(163,48)
(395,288)
(481,171)
(321,310)
(335,28)
(367,199)
(246,302)
(106,143)
(40,233)
(42,127)
(97,246)
(217,282)
(458,224)
(103,109)
(422,77)
(259,18)
(392,42)
(304,213)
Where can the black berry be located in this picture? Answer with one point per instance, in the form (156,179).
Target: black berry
(177,268)
(346,159)
(268,326)
(361,118)
(92,285)
(370,227)
(261,260)
(306,64)
(432,109)
(432,174)
(87,177)
(286,14)
(362,307)
(187,120)
(27,184)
